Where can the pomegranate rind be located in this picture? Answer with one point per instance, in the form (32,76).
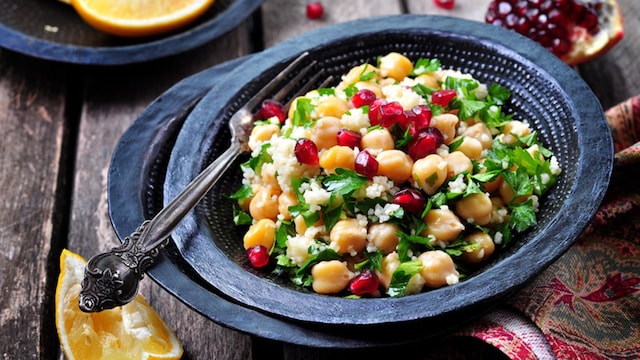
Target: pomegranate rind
(588,47)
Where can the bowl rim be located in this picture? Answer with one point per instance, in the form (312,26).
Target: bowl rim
(482,290)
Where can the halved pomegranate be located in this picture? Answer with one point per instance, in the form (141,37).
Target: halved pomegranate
(574,30)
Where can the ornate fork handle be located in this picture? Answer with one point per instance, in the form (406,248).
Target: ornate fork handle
(112,278)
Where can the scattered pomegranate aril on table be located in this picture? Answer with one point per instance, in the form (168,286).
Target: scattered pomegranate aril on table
(445,4)
(574,30)
(315,10)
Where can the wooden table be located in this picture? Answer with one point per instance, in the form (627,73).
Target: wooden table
(60,123)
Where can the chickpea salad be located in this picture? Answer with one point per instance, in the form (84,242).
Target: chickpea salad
(401,178)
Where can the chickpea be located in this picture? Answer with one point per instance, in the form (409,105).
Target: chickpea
(471,147)
(294,105)
(458,162)
(285,200)
(430,172)
(262,233)
(300,225)
(439,269)
(348,237)
(269,179)
(396,66)
(370,85)
(490,186)
(483,252)
(443,224)
(480,132)
(354,75)
(499,212)
(262,133)
(244,203)
(384,237)
(395,164)
(475,208)
(389,264)
(514,127)
(337,157)
(534,150)
(378,139)
(508,195)
(324,132)
(332,106)
(330,277)
(430,80)
(447,124)
(264,205)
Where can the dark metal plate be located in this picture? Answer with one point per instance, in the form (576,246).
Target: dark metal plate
(52,30)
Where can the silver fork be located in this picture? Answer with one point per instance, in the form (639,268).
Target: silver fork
(111,279)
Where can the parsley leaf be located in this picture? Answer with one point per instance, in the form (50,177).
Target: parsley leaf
(326,254)
(401,277)
(424,66)
(303,111)
(523,216)
(344,181)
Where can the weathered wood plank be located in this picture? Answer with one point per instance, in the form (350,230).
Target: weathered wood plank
(32,124)
(114,97)
(283,19)
(467,9)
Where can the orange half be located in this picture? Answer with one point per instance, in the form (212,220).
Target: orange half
(139,18)
(132,331)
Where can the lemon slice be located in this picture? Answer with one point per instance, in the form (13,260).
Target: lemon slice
(138,18)
(132,331)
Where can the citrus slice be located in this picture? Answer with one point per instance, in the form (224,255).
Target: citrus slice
(575,30)
(138,18)
(132,331)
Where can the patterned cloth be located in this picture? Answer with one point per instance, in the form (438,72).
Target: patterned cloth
(587,304)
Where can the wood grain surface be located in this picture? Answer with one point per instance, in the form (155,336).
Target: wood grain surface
(59,125)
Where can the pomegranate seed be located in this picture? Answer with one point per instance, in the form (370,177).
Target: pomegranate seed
(445,4)
(258,256)
(366,164)
(391,113)
(363,97)
(411,200)
(418,118)
(366,282)
(348,138)
(443,97)
(270,108)
(306,152)
(374,111)
(541,19)
(426,142)
(315,10)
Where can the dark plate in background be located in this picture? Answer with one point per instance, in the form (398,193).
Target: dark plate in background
(545,92)
(52,30)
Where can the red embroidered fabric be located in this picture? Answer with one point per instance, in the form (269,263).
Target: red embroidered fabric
(587,304)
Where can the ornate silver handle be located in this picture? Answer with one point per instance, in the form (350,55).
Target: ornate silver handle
(112,278)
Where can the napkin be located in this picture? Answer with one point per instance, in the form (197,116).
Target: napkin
(587,304)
